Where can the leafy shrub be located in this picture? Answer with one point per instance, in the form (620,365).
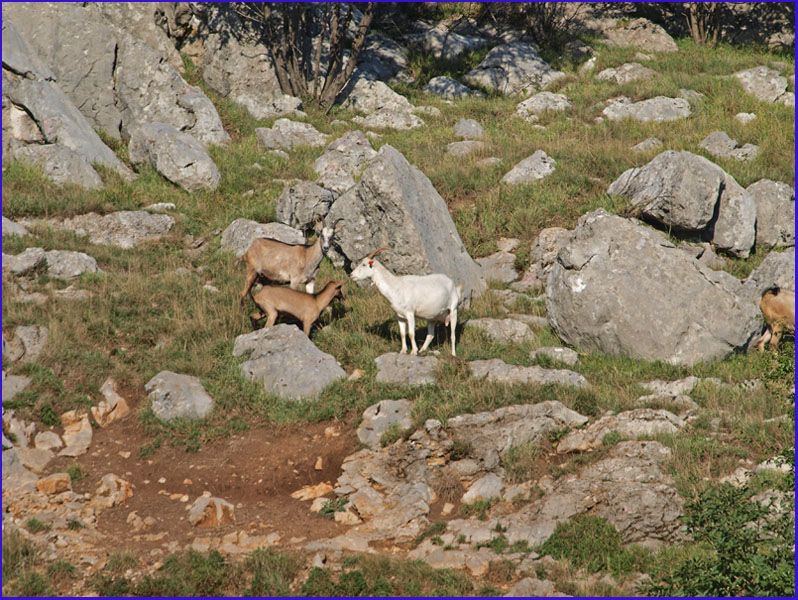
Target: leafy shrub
(748,552)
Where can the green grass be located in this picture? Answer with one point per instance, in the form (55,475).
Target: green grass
(20,561)
(34,525)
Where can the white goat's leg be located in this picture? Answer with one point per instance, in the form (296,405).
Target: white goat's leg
(402,334)
(411,331)
(453,325)
(310,286)
(430,335)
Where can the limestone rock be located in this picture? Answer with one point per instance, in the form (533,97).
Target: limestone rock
(542,256)
(123,229)
(589,293)
(745,118)
(658,110)
(242,232)
(177,396)
(718,143)
(10,228)
(35,459)
(763,83)
(380,417)
(486,487)
(77,433)
(395,205)
(504,331)
(406,369)
(389,118)
(512,69)
(13,385)
(48,440)
(54,484)
(286,135)
(343,160)
(286,362)
(449,88)
(112,491)
(112,408)
(26,344)
(542,102)
(556,353)
(626,73)
(775,213)
(208,511)
(65,264)
(468,129)
(464,148)
(177,156)
(303,203)
(533,168)
(647,145)
(60,164)
(498,371)
(368,97)
(640,33)
(630,424)
(778,269)
(499,266)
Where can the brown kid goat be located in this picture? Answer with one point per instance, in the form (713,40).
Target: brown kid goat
(272,300)
(283,263)
(778,307)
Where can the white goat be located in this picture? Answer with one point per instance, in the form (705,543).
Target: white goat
(431,297)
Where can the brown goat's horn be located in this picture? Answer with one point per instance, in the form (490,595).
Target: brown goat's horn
(376,252)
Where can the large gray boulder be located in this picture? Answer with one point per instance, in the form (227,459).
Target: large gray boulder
(513,68)
(449,88)
(286,134)
(764,83)
(117,80)
(395,205)
(179,157)
(36,110)
(689,194)
(343,160)
(684,312)
(657,110)
(177,396)
(775,213)
(286,362)
(302,203)
(368,96)
(778,269)
(238,236)
(626,73)
(60,164)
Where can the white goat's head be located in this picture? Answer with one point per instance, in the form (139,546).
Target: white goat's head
(365,268)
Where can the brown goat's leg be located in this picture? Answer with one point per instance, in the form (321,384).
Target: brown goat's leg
(252,275)
(306,326)
(272,314)
(776,338)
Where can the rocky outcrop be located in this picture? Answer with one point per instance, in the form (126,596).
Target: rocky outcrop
(286,362)
(118,81)
(302,204)
(497,371)
(36,111)
(442,42)
(499,266)
(612,263)
(513,68)
(775,213)
(177,156)
(639,33)
(60,264)
(765,84)
(395,205)
(626,73)
(657,110)
(379,418)
(177,396)
(123,229)
(778,269)
(641,422)
(688,194)
(343,160)
(60,164)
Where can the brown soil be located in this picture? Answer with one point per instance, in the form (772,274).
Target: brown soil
(256,471)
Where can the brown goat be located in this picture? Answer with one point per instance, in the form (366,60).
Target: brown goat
(272,300)
(778,307)
(283,263)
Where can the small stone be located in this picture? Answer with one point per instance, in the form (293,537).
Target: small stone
(379,418)
(447,509)
(112,408)
(124,454)
(54,484)
(211,512)
(311,492)
(647,145)
(318,466)
(468,129)
(162,480)
(47,440)
(318,504)
(533,168)
(745,118)
(355,375)
(484,488)
(347,517)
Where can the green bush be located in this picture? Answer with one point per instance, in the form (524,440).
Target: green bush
(747,552)
(592,543)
